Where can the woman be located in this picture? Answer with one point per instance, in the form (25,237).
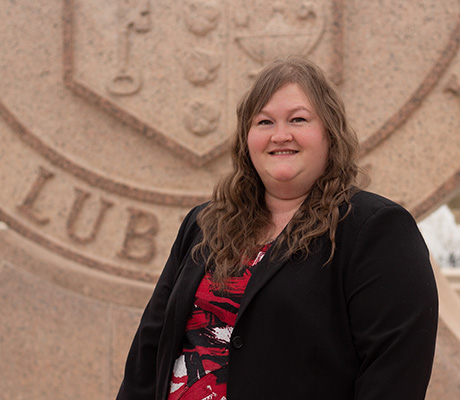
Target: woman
(291,283)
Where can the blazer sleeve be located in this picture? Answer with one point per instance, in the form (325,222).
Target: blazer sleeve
(139,382)
(393,307)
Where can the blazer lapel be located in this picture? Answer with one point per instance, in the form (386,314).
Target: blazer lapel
(181,299)
(191,276)
(187,285)
(265,270)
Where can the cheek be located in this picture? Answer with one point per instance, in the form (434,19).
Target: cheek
(254,143)
(324,158)
(319,143)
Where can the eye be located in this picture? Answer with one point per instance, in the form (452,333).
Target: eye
(298,119)
(264,122)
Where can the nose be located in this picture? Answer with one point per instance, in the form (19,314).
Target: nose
(281,134)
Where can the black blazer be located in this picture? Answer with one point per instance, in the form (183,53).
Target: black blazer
(362,327)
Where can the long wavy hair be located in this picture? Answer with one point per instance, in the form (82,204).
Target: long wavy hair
(237,215)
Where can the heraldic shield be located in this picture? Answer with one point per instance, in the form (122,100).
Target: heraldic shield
(174,70)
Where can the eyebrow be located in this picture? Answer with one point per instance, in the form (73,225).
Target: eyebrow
(292,111)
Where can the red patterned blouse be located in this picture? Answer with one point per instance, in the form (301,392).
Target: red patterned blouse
(200,372)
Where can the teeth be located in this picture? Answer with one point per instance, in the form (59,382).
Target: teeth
(283,152)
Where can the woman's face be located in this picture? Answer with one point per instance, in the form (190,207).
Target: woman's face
(287,143)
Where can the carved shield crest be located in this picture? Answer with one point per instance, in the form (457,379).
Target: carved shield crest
(175,70)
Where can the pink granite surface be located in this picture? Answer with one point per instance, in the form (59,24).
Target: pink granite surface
(114,121)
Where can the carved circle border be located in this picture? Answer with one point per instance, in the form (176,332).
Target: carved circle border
(13,223)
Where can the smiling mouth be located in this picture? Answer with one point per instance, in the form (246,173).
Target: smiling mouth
(277,153)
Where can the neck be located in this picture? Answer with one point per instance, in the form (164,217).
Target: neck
(282,210)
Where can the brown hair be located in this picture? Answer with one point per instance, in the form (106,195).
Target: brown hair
(237,214)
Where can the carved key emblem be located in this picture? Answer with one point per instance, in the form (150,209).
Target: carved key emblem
(133,17)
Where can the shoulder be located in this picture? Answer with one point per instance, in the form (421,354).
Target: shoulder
(189,223)
(372,211)
(188,235)
(369,201)
(366,204)
(379,236)
(193,213)
(189,231)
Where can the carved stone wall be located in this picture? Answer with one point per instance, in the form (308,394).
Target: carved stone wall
(114,121)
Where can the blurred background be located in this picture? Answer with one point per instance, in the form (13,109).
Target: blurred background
(114,122)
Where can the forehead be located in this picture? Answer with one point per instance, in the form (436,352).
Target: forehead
(289,95)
